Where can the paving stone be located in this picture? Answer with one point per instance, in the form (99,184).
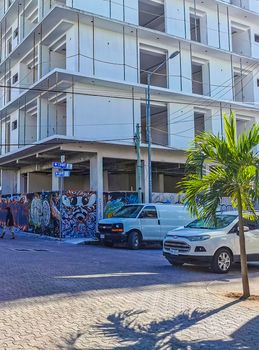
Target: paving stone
(88,297)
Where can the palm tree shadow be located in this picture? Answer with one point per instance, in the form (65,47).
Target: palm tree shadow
(124,329)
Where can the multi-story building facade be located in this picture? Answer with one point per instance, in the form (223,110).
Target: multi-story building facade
(73,75)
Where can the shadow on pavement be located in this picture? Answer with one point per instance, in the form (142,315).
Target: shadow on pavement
(124,330)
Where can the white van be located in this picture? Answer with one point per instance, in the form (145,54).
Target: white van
(215,245)
(137,223)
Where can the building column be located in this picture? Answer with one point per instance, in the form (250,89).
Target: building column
(55,181)
(96,182)
(106,181)
(21,188)
(161,183)
(9,181)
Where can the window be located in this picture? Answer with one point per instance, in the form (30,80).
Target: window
(128,211)
(195,27)
(15,78)
(152,14)
(14,125)
(200,77)
(197,79)
(9,45)
(7,137)
(159,124)
(8,92)
(149,213)
(258,82)
(149,62)
(15,33)
(199,122)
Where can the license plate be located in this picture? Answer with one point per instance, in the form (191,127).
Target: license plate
(102,236)
(174,251)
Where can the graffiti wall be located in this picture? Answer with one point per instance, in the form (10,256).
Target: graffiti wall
(113,201)
(175,198)
(40,213)
(79,214)
(167,198)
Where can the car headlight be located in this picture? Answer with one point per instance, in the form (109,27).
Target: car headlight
(117,228)
(198,238)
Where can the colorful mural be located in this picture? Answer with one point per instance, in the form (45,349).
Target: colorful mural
(113,201)
(167,198)
(40,213)
(79,214)
(175,198)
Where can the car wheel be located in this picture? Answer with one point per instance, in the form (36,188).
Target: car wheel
(108,244)
(134,240)
(222,261)
(174,262)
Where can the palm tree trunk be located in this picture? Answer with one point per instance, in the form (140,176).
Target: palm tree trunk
(243,257)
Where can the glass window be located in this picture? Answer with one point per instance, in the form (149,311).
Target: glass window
(222,221)
(149,213)
(128,211)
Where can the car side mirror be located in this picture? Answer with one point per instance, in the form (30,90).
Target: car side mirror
(246,229)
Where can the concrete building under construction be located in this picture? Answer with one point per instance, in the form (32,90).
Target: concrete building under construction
(73,77)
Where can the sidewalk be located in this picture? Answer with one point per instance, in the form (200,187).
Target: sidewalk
(234,285)
(32,236)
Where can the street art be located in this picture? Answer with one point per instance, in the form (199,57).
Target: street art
(113,201)
(41,220)
(175,198)
(79,214)
(167,198)
(20,210)
(40,213)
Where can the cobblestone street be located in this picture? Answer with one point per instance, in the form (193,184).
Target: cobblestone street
(56,296)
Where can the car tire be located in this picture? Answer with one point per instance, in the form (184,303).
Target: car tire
(174,262)
(134,240)
(222,261)
(108,244)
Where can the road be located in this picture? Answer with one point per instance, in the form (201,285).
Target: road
(55,296)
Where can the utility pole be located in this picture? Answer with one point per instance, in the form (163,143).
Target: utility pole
(148,121)
(139,165)
(61,190)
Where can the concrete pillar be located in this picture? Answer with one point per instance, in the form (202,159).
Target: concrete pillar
(55,181)
(9,181)
(21,187)
(96,182)
(161,183)
(106,181)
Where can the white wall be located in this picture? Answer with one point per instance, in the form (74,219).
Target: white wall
(113,9)
(102,53)
(101,118)
(181,125)
(174,13)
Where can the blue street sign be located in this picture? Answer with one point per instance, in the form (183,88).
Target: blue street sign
(58,165)
(62,173)
(64,166)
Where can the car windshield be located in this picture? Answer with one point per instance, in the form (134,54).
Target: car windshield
(128,211)
(222,221)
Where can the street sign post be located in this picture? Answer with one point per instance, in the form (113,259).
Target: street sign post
(63,170)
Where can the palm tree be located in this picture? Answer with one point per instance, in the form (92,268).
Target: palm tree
(234,167)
